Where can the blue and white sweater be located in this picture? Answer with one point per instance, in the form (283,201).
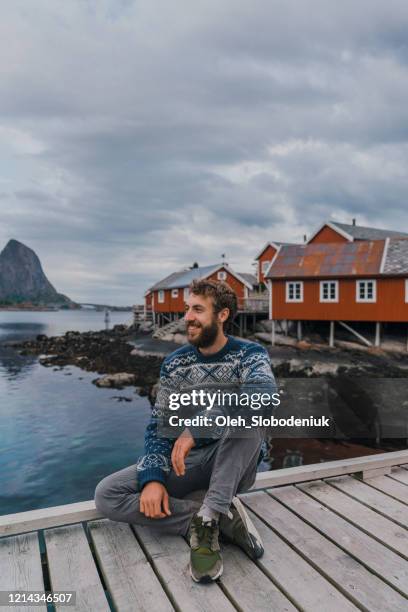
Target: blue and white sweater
(238,362)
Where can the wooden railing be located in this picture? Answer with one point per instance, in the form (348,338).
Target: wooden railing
(254,304)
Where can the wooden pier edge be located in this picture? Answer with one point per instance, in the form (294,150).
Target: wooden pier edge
(371,465)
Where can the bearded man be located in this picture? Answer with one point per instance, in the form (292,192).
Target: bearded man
(188,486)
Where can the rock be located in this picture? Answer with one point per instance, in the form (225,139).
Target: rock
(263,336)
(181,327)
(303,345)
(266,325)
(180,338)
(117,381)
(145,327)
(167,337)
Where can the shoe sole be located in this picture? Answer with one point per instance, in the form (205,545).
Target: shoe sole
(253,533)
(206,579)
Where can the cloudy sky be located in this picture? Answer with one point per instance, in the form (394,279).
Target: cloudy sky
(138,136)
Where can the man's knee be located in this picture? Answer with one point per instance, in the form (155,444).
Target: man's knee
(104,496)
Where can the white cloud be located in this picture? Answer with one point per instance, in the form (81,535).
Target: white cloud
(138,137)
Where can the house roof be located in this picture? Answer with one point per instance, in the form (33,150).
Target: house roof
(328,259)
(183,278)
(250,278)
(396,258)
(273,244)
(358,232)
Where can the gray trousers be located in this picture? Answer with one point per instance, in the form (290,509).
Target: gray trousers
(213,475)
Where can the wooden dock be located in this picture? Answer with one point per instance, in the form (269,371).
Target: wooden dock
(335,536)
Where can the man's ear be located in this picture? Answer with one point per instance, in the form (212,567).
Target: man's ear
(223,315)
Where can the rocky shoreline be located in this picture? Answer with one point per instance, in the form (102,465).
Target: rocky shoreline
(125,358)
(107,353)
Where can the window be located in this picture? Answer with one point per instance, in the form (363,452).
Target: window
(161,296)
(174,293)
(366,291)
(294,291)
(264,266)
(186,293)
(221,275)
(329,291)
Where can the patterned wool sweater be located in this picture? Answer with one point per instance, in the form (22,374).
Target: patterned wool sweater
(240,362)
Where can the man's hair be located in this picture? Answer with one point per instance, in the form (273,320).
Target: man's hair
(221,293)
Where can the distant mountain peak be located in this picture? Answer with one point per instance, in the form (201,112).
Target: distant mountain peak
(22,278)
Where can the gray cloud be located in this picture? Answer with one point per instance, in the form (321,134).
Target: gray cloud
(138,137)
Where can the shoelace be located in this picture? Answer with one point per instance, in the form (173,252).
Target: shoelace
(205,534)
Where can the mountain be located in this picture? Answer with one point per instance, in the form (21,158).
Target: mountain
(22,278)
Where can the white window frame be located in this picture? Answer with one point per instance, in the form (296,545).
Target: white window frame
(336,291)
(366,300)
(174,293)
(160,296)
(222,275)
(186,293)
(294,299)
(264,266)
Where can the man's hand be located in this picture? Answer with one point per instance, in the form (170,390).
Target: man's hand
(154,500)
(181,448)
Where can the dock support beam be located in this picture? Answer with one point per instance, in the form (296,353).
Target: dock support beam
(331,337)
(377,341)
(299,330)
(353,331)
(273,333)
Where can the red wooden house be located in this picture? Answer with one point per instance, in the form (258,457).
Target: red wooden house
(166,299)
(265,257)
(345,273)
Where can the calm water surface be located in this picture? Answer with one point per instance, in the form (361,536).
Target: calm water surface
(59,433)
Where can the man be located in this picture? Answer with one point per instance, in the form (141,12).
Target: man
(161,490)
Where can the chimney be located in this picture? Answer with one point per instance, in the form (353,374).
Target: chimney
(353,221)
(304,238)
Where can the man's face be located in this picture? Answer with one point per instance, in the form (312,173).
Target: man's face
(202,324)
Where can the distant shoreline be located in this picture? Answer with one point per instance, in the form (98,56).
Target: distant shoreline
(51,309)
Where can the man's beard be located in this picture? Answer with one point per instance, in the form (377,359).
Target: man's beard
(207,336)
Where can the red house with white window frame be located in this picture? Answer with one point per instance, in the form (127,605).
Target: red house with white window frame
(166,299)
(349,279)
(264,258)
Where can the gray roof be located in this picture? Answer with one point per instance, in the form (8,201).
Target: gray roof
(367,233)
(183,278)
(250,278)
(396,261)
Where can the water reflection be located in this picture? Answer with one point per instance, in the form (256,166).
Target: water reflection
(14,366)
(13,331)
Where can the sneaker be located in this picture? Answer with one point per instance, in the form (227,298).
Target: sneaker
(205,557)
(241,531)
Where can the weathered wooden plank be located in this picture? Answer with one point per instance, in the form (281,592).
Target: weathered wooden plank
(170,556)
(131,581)
(72,568)
(391,487)
(22,522)
(400,474)
(375,556)
(372,498)
(20,568)
(346,573)
(369,521)
(248,586)
(303,584)
(303,473)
